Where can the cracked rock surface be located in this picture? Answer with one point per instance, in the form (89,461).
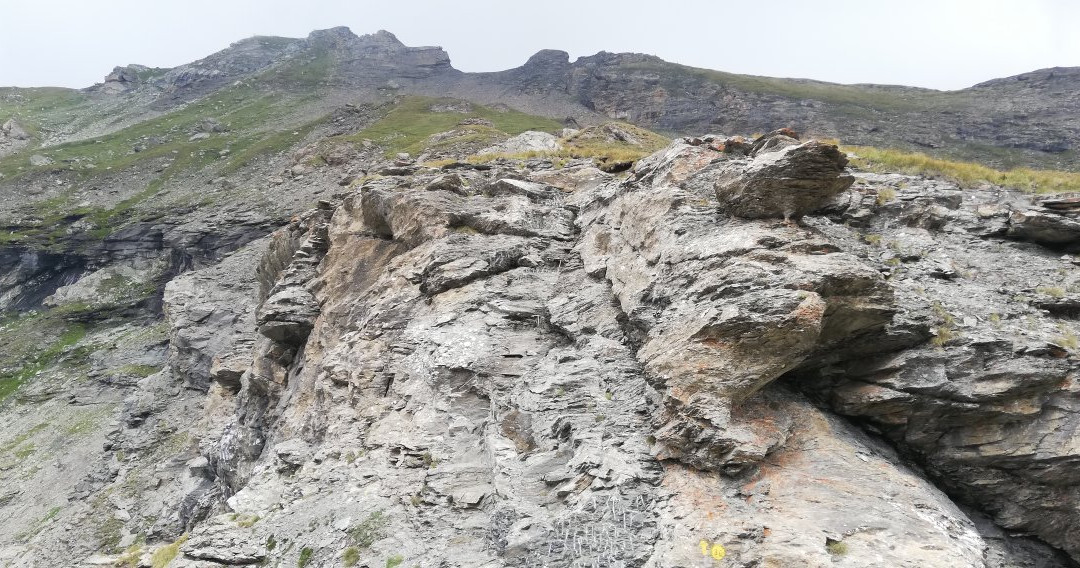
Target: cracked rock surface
(541,366)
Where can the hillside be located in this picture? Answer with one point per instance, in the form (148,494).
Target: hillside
(331,302)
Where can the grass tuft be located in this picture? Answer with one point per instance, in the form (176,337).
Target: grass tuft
(164,555)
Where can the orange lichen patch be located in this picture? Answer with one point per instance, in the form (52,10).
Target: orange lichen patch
(812,309)
(712,342)
(694,490)
(1069,383)
(783,461)
(756,409)
(690,161)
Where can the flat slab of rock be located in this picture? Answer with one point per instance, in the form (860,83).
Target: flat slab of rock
(288,316)
(1048,227)
(528,141)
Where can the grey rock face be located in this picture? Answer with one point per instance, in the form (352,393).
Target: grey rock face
(210,315)
(288,314)
(590,378)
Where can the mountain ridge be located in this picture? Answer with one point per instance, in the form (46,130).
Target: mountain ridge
(1023,120)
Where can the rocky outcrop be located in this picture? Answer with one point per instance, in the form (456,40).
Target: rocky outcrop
(712,331)
(210,314)
(124,79)
(13,137)
(613,371)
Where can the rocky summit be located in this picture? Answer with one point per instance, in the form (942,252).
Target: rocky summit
(331,302)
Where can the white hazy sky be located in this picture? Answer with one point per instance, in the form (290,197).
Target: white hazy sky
(943,44)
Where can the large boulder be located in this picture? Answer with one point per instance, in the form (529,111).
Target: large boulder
(13,130)
(1054,222)
(783,179)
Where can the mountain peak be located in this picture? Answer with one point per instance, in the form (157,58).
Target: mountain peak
(336,35)
(384,37)
(1051,75)
(549,58)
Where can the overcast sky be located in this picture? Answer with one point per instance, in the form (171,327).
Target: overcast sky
(943,44)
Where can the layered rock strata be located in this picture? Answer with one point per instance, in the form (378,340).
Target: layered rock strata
(580,369)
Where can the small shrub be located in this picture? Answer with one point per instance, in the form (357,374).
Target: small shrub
(305,557)
(836,547)
(351,556)
(271,543)
(872,239)
(370,530)
(1052,291)
(130,558)
(944,335)
(108,534)
(1067,339)
(394,561)
(942,314)
(430,461)
(885,195)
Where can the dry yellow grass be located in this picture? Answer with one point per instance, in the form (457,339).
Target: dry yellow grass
(964,174)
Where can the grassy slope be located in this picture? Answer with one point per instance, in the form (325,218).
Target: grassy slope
(32,343)
(39,109)
(256,128)
(409,124)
